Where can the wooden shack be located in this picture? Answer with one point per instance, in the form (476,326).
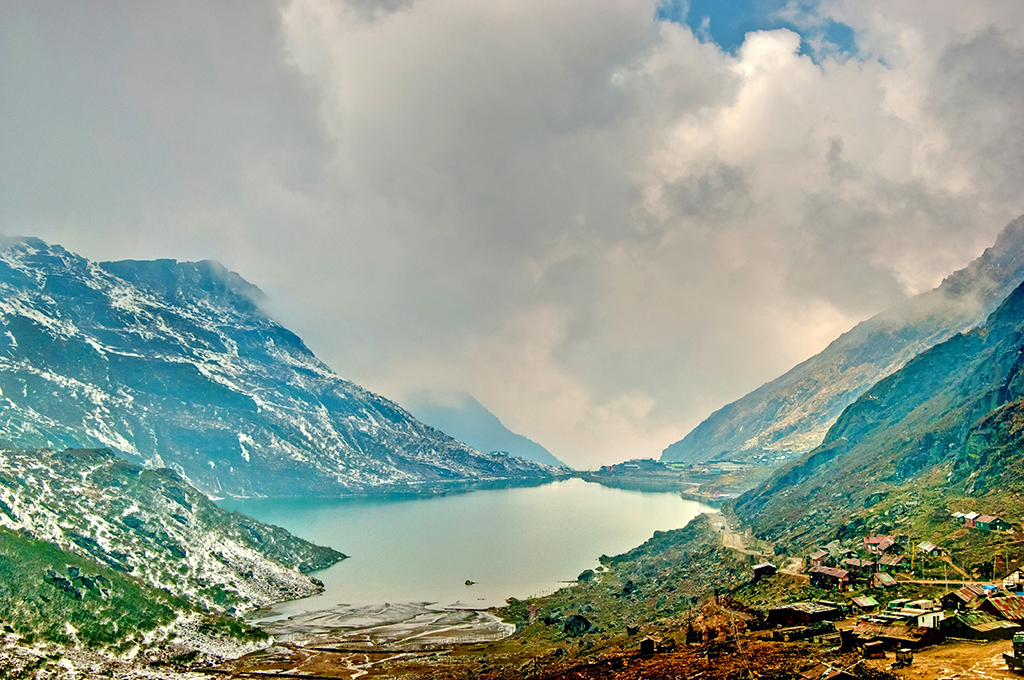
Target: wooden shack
(829,577)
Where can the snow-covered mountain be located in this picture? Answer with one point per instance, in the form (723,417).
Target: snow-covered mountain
(173,364)
(153,525)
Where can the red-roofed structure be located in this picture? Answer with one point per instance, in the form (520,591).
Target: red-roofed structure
(879,544)
(1010,608)
(828,577)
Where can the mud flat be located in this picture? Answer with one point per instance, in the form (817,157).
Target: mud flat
(347,641)
(403,626)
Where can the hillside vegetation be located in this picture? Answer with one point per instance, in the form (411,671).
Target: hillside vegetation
(939,435)
(791,414)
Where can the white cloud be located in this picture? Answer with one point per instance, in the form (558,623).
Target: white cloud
(597,224)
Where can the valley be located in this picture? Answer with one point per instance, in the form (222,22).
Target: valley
(134,392)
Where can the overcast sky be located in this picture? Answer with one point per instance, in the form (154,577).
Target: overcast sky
(603,218)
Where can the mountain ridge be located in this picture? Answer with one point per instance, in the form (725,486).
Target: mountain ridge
(469,421)
(174,365)
(791,414)
(947,422)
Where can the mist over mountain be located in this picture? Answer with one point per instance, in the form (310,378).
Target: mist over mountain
(791,414)
(463,417)
(174,364)
(948,422)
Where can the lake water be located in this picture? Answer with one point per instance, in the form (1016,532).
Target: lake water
(514,542)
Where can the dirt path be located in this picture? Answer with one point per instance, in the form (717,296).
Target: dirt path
(731,538)
(967,660)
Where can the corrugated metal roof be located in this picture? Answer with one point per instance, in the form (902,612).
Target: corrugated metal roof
(884,580)
(1010,607)
(894,632)
(831,571)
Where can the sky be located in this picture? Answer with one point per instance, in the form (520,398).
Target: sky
(604,219)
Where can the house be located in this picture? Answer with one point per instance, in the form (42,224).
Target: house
(1014,581)
(978,625)
(958,517)
(924,618)
(880,545)
(825,672)
(892,563)
(764,569)
(1010,607)
(966,597)
(829,577)
(818,558)
(897,635)
(858,566)
(883,580)
(991,523)
(801,614)
(865,603)
(929,548)
(969,519)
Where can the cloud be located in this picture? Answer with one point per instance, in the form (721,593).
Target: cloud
(599,224)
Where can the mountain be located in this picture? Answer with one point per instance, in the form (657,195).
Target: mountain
(97,551)
(791,414)
(173,364)
(466,419)
(946,427)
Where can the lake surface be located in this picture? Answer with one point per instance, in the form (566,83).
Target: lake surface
(515,542)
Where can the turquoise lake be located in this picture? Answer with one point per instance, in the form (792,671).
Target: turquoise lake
(513,542)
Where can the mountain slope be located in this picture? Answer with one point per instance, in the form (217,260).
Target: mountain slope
(175,365)
(100,552)
(469,421)
(793,412)
(153,525)
(949,420)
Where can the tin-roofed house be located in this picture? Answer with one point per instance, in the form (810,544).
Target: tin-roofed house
(858,568)
(1009,608)
(865,603)
(965,598)
(929,548)
(883,580)
(978,625)
(893,563)
(897,635)
(880,545)
(823,671)
(818,558)
(829,577)
(802,614)
(991,523)
(1014,581)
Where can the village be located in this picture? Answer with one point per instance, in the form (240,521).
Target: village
(869,613)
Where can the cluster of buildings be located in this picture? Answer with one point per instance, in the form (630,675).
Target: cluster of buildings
(975,611)
(982,522)
(837,567)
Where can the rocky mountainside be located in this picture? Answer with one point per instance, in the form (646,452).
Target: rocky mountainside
(790,415)
(97,551)
(173,364)
(469,421)
(950,421)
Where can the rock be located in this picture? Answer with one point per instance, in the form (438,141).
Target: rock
(576,625)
